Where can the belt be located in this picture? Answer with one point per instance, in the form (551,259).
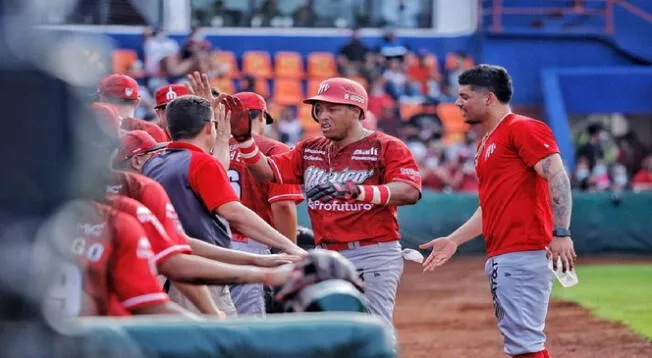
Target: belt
(339,246)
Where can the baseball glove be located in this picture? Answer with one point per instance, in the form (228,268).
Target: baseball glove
(240,122)
(319,265)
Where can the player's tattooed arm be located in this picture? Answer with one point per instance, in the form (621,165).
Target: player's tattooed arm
(552,169)
(403,194)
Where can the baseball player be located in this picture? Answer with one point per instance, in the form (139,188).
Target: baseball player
(172,250)
(122,92)
(524,212)
(274,203)
(109,265)
(354,179)
(163,96)
(134,150)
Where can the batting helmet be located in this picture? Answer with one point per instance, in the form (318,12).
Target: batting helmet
(341,91)
(328,296)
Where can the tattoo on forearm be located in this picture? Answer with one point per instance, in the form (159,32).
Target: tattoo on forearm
(560,194)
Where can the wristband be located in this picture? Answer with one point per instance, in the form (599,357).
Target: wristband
(561,232)
(249,151)
(374,194)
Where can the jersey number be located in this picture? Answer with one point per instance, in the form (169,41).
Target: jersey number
(234,178)
(64,296)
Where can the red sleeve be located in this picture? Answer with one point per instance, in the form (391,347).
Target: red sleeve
(400,165)
(533,140)
(132,270)
(158,201)
(162,244)
(209,180)
(281,192)
(288,166)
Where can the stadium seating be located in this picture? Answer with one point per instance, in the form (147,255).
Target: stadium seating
(123,59)
(408,109)
(310,127)
(288,65)
(261,86)
(227,58)
(453,121)
(287,91)
(257,63)
(321,65)
(223,84)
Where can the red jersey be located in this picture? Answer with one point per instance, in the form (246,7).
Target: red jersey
(131,124)
(151,194)
(110,262)
(162,245)
(374,160)
(258,196)
(516,212)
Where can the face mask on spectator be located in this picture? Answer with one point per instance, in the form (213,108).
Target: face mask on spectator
(599,170)
(582,174)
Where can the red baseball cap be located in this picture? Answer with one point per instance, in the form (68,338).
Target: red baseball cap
(119,86)
(136,142)
(254,101)
(166,94)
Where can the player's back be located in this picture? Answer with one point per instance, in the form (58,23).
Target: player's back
(85,234)
(252,193)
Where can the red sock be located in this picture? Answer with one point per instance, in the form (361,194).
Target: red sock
(542,354)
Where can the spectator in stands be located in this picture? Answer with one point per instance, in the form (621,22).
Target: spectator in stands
(397,84)
(247,83)
(158,49)
(462,174)
(401,13)
(592,150)
(631,152)
(436,175)
(378,97)
(264,15)
(582,174)
(288,127)
(354,58)
(389,48)
(460,62)
(427,122)
(643,179)
(600,176)
(425,77)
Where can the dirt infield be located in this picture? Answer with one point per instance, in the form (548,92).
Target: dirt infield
(448,314)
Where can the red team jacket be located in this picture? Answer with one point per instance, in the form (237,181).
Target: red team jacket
(373,160)
(516,212)
(110,269)
(151,194)
(256,195)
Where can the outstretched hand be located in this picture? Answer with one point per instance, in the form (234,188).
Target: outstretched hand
(199,85)
(443,249)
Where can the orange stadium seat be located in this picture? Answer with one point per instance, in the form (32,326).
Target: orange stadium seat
(408,109)
(257,63)
(288,65)
(453,121)
(123,59)
(223,84)
(287,91)
(321,65)
(450,62)
(312,87)
(228,58)
(261,86)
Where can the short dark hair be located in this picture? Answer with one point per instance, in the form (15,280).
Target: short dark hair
(187,116)
(495,79)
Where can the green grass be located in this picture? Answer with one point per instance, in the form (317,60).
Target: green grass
(620,293)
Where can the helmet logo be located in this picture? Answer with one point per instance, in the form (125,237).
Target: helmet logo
(170,95)
(323,88)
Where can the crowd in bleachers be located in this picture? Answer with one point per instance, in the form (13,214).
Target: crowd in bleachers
(609,162)
(410,91)
(410,96)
